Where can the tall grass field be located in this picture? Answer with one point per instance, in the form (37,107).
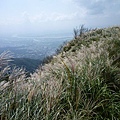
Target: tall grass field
(81,82)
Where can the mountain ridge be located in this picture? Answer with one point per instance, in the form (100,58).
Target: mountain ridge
(81,82)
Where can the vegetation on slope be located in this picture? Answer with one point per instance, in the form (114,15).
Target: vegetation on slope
(82,82)
(29,64)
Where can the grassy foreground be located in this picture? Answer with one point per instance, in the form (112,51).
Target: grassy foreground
(82,82)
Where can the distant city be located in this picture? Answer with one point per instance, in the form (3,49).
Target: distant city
(32,47)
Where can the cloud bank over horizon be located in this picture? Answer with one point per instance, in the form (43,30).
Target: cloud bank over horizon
(28,16)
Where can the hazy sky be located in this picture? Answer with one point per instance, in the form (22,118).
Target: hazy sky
(46,16)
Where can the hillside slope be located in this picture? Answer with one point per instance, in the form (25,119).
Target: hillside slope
(30,65)
(82,82)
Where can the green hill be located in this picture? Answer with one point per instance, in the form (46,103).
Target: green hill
(82,82)
(29,64)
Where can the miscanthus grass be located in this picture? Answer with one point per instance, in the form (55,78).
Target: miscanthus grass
(79,84)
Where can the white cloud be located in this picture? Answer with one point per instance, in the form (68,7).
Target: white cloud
(45,17)
(95,7)
(59,14)
(27,18)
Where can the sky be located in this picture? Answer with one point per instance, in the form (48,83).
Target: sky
(56,16)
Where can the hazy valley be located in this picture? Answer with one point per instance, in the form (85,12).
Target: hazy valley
(32,47)
(29,52)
